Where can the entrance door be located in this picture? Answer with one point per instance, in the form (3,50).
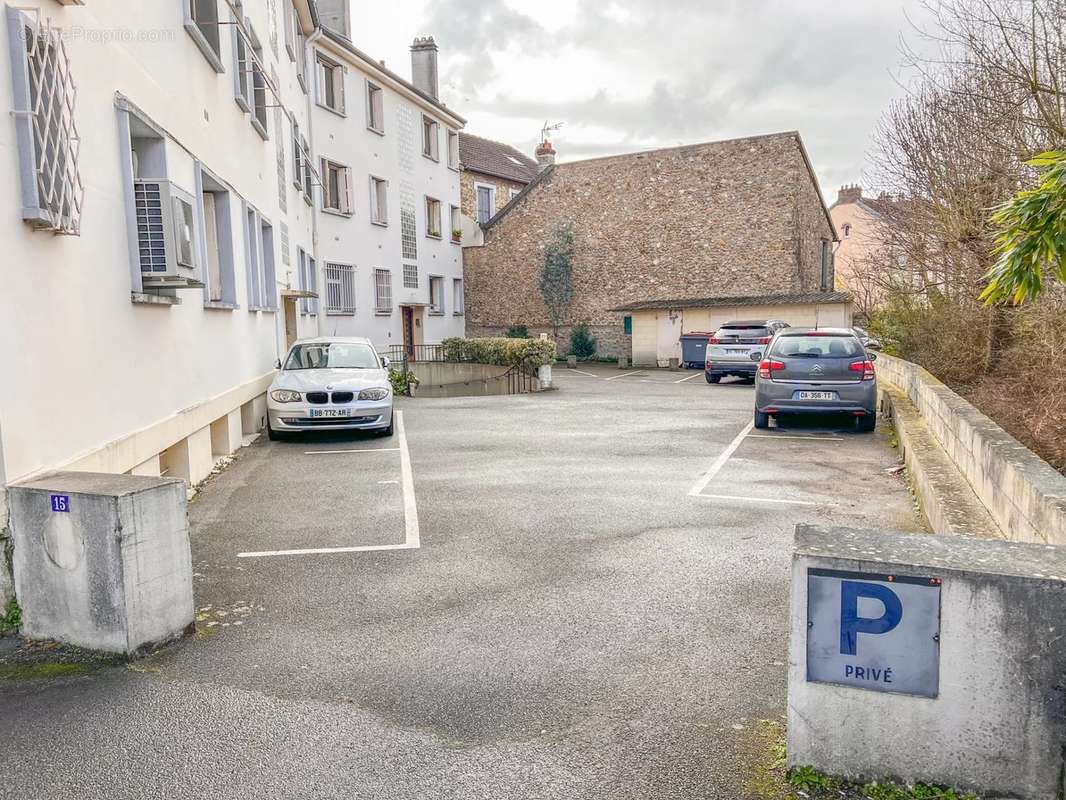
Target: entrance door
(289,305)
(668,337)
(408,314)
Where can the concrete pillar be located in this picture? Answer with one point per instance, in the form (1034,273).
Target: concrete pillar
(544,375)
(102,561)
(190,459)
(149,468)
(623,362)
(571,362)
(227,433)
(253,415)
(674,364)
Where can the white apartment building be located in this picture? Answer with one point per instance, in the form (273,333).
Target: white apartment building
(162,226)
(388,155)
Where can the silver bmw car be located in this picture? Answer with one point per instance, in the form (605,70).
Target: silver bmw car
(332,383)
(817,371)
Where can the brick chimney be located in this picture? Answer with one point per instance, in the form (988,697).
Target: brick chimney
(849,194)
(336,15)
(545,154)
(424,65)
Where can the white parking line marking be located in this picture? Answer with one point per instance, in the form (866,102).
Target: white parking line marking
(410,509)
(574,372)
(353,450)
(720,462)
(627,375)
(787,436)
(412,539)
(762,500)
(690,377)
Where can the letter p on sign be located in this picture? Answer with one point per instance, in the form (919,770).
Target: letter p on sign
(851,624)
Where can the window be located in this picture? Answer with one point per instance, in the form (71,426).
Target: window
(220,285)
(300,42)
(48,138)
(382,291)
(259,86)
(433,217)
(336,188)
(375,111)
(330,84)
(436,295)
(379,201)
(847,230)
(627,325)
(242,71)
(253,258)
(202,23)
(308,281)
(430,145)
(292,23)
(458,305)
(269,297)
(308,171)
(453,149)
(340,289)
(408,227)
(486,202)
(456,224)
(410,276)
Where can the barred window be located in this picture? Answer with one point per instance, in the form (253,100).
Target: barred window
(48,141)
(383,291)
(340,289)
(410,276)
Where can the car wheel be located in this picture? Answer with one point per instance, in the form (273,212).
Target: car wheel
(387,431)
(273,435)
(762,421)
(866,423)
(714,378)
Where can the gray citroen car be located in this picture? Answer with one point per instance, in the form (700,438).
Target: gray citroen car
(817,371)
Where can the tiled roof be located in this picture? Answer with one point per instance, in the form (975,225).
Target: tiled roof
(801,298)
(495,158)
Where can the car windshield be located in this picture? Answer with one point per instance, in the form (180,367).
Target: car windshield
(332,355)
(817,346)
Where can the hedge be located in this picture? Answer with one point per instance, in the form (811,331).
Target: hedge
(499,350)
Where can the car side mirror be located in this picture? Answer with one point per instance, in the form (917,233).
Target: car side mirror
(385,363)
(871,356)
(277,363)
(756,356)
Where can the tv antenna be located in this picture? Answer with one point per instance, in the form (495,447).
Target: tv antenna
(548,129)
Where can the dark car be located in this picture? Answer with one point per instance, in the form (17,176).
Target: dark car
(817,371)
(737,347)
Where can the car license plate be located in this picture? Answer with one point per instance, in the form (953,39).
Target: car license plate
(816,396)
(331,412)
(740,351)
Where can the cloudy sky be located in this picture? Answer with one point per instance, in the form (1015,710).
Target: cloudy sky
(626,75)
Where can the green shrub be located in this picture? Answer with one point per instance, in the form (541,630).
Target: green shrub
(517,332)
(582,344)
(402,382)
(11,620)
(500,350)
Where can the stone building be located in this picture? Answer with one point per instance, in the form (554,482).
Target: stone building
(742,217)
(492,175)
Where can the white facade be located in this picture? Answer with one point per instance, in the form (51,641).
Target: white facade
(389,264)
(111,368)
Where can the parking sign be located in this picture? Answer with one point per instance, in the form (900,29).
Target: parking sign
(876,632)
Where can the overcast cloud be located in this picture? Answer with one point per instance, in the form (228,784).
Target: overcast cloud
(635,74)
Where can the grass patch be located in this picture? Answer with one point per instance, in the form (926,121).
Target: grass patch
(40,671)
(819,786)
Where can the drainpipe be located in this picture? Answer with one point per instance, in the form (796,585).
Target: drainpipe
(319,272)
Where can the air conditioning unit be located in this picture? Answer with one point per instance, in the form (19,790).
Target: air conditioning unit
(165,236)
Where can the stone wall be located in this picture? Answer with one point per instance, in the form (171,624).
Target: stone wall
(7,583)
(468,199)
(1024,495)
(725,218)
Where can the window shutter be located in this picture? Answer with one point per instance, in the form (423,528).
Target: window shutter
(346,190)
(338,87)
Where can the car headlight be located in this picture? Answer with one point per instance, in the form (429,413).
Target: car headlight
(285,396)
(374,394)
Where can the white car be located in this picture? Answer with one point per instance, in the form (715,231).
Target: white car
(332,383)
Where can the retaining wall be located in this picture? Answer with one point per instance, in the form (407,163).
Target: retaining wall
(1023,494)
(442,379)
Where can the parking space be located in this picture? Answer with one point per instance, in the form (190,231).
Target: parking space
(565,620)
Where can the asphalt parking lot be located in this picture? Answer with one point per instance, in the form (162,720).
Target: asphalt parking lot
(577,594)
